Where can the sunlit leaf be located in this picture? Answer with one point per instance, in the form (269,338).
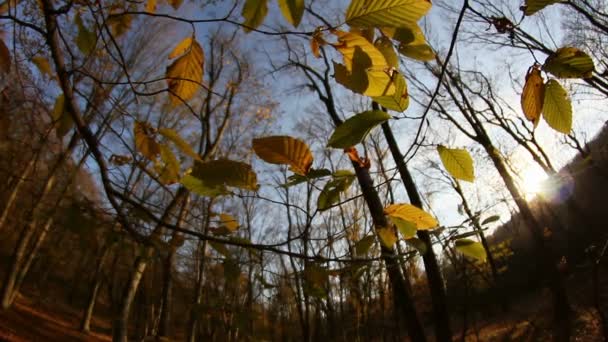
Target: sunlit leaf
(144,141)
(532,96)
(457,162)
(43,65)
(412,42)
(413,214)
(419,52)
(400,100)
(181,48)
(387,237)
(406,228)
(254,12)
(569,62)
(292,10)
(224,172)
(62,118)
(179,142)
(386,13)
(85,40)
(557,109)
(470,248)
(362,246)
(185,74)
(5,58)
(330,194)
(347,44)
(355,129)
(284,150)
(533,6)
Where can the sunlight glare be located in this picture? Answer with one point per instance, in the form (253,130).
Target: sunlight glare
(532,182)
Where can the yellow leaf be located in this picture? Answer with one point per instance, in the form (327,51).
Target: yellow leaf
(144,142)
(284,150)
(168,170)
(62,118)
(413,43)
(400,100)
(408,212)
(179,142)
(254,12)
(557,109)
(470,248)
(347,44)
(182,47)
(229,222)
(457,162)
(385,46)
(151,6)
(532,96)
(386,13)
(387,237)
(533,6)
(224,172)
(43,65)
(292,10)
(175,4)
(185,74)
(569,62)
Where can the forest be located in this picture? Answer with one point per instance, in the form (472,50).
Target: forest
(303,170)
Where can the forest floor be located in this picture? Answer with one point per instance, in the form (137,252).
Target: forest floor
(30,321)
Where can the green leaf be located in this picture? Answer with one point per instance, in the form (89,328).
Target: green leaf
(292,10)
(400,100)
(85,40)
(386,13)
(557,109)
(284,150)
(533,6)
(200,188)
(569,62)
(419,52)
(62,118)
(490,219)
(362,246)
(457,162)
(224,172)
(312,174)
(254,12)
(406,228)
(330,194)
(413,214)
(179,142)
(355,129)
(470,248)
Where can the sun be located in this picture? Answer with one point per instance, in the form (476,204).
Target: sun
(532,179)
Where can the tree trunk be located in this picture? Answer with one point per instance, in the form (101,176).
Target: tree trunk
(433,273)
(16,262)
(121,323)
(85,324)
